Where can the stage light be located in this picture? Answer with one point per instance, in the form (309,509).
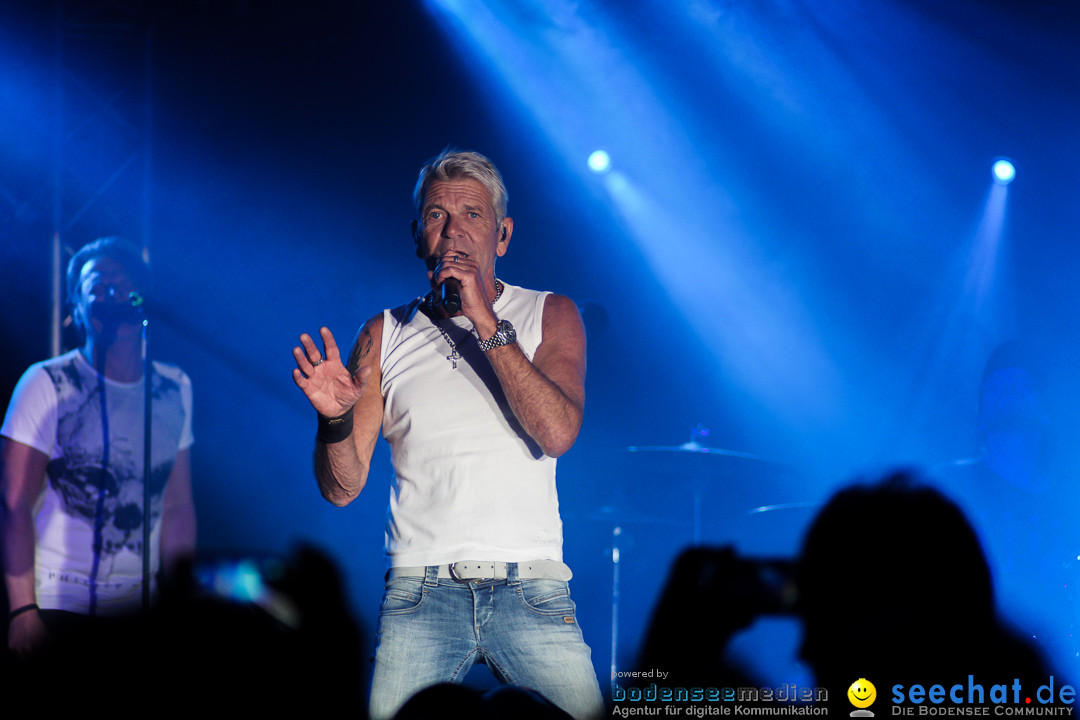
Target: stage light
(1004,172)
(599,161)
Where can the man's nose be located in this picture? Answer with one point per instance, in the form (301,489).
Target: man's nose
(452,227)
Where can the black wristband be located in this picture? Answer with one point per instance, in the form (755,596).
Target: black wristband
(20,610)
(335,429)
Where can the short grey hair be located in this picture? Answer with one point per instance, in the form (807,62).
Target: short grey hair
(462,165)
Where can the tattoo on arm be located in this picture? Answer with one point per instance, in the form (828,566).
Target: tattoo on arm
(361,349)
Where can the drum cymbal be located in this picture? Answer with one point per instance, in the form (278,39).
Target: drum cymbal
(694,449)
(619,513)
(782,506)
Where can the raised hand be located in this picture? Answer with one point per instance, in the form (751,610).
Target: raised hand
(329,386)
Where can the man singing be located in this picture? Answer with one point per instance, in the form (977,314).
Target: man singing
(477,386)
(72,453)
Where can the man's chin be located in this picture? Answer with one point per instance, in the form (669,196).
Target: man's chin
(115,331)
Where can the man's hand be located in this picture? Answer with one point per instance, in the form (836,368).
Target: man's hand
(330,387)
(341,467)
(476,295)
(27,634)
(22,480)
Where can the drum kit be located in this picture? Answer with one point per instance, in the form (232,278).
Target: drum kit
(741,482)
(698,468)
(694,469)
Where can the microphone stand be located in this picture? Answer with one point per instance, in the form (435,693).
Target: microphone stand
(106,452)
(147,445)
(615,558)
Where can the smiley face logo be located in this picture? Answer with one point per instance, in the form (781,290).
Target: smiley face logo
(862,693)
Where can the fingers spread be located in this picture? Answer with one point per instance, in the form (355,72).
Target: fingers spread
(301,356)
(310,351)
(329,344)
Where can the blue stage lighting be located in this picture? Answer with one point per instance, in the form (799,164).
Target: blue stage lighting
(1004,172)
(599,161)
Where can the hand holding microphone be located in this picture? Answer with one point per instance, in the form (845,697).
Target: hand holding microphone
(450,287)
(451,295)
(460,286)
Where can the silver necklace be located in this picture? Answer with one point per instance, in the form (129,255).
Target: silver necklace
(454,355)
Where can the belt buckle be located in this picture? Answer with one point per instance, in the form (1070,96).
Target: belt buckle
(458,578)
(466,577)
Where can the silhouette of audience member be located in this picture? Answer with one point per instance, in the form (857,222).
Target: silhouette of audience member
(506,702)
(510,702)
(893,583)
(195,652)
(435,701)
(709,596)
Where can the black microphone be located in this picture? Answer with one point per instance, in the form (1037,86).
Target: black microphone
(113,314)
(451,295)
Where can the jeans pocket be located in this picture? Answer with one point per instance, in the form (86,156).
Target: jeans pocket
(402,595)
(547,597)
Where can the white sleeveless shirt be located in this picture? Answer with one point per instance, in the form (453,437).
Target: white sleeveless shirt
(469,483)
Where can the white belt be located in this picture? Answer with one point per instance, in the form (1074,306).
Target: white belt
(467,570)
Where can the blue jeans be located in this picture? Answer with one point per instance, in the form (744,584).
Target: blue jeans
(432,631)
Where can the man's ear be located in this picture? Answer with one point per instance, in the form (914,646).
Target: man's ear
(504,238)
(78,321)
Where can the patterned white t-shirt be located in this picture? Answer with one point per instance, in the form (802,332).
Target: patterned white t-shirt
(89,517)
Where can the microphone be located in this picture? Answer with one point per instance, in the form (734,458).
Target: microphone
(451,295)
(113,314)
